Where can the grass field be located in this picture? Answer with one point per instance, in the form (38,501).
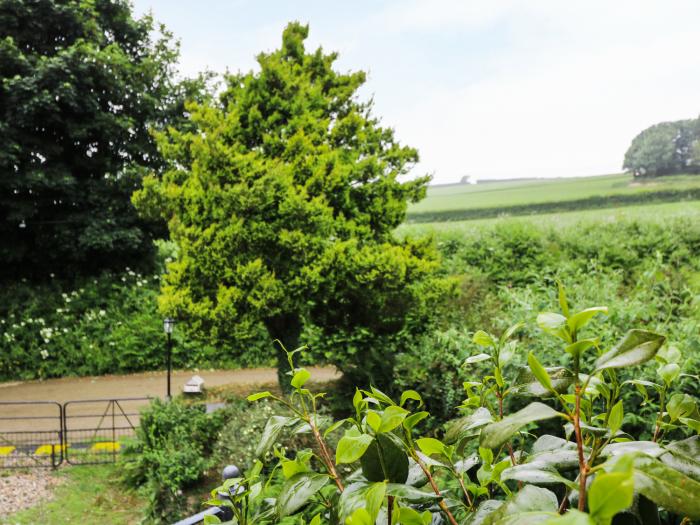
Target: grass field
(645,212)
(512,193)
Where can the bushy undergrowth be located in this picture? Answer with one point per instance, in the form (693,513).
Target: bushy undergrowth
(647,273)
(179,450)
(566,456)
(98,325)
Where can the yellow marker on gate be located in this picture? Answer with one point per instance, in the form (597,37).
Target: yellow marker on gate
(106,446)
(6,451)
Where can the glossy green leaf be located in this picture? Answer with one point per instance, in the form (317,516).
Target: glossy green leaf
(375,498)
(648,448)
(580,319)
(360,516)
(411,394)
(536,474)
(410,494)
(408,516)
(483,339)
(478,358)
(554,324)
(610,493)
(669,372)
(258,395)
(638,346)
(468,426)
(352,498)
(616,417)
(529,505)
(691,423)
(684,456)
(334,426)
(385,460)
(666,486)
(374,420)
(563,302)
(392,417)
(539,372)
(579,347)
(430,446)
(381,396)
(298,490)
(554,452)
(495,434)
(483,511)
(412,420)
(510,331)
(301,376)
(680,405)
(271,432)
(526,384)
(352,446)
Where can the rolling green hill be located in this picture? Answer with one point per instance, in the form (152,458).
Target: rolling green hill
(535,196)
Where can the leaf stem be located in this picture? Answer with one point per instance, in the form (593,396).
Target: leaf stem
(583,467)
(436,489)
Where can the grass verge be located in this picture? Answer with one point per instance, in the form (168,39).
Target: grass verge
(88,494)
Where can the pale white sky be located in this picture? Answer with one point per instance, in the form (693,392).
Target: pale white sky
(489,88)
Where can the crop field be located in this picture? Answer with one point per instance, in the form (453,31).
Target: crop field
(534,197)
(641,213)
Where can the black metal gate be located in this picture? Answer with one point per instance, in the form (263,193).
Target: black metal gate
(95,429)
(31,434)
(45,433)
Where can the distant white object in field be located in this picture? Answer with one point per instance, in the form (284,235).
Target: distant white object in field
(467,179)
(194,385)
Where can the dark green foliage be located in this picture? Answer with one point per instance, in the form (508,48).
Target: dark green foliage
(104,324)
(283,200)
(82,84)
(664,149)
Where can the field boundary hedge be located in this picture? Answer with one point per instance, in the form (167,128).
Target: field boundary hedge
(596,202)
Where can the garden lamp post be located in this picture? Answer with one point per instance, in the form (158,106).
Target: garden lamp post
(168,325)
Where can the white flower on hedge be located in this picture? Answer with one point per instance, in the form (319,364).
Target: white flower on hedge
(103,313)
(44,354)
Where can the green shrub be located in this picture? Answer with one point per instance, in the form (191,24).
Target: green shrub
(494,466)
(171,453)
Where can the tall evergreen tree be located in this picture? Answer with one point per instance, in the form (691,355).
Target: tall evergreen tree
(283,203)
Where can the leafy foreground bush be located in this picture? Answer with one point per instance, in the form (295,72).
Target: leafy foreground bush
(491,467)
(171,453)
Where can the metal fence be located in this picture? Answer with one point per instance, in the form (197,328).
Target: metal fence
(46,433)
(31,434)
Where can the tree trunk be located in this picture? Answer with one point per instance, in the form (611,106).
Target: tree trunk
(286,329)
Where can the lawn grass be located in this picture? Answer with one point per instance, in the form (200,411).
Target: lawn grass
(646,212)
(524,192)
(88,494)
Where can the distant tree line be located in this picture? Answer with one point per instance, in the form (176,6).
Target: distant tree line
(667,148)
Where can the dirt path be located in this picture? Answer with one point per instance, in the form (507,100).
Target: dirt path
(137,385)
(151,384)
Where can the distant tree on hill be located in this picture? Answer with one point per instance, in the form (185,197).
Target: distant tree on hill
(82,85)
(664,149)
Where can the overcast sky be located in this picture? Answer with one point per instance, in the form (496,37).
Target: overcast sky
(489,88)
